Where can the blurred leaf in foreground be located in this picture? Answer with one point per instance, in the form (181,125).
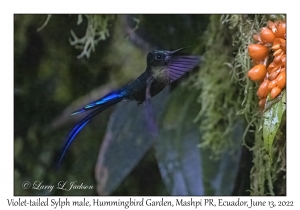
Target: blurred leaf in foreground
(126,141)
(185,168)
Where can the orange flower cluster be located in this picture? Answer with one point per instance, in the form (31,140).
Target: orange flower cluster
(272,76)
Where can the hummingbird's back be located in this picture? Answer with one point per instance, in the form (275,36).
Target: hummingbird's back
(137,88)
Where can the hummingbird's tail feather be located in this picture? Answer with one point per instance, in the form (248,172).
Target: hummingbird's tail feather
(179,65)
(84,121)
(110,97)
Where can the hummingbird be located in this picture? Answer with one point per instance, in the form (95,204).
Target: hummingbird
(163,68)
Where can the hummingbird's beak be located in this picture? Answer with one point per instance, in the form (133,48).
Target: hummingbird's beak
(175,51)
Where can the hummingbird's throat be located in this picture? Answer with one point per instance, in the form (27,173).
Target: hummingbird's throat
(160,73)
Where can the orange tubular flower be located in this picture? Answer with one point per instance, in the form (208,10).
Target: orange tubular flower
(270,39)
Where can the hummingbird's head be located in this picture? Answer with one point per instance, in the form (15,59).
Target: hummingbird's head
(159,58)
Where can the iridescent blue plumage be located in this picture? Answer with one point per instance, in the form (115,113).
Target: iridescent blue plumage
(105,99)
(163,68)
(109,101)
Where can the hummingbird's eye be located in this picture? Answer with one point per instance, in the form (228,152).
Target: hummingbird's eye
(158,56)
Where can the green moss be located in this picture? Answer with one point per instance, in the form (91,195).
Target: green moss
(96,30)
(226,95)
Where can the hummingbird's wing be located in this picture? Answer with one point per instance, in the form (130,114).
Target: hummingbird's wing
(178,65)
(149,113)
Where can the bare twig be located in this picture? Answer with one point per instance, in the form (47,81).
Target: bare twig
(134,37)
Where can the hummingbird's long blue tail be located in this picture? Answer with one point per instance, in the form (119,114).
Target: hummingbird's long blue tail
(110,97)
(99,105)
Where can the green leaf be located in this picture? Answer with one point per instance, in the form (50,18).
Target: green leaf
(272,120)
